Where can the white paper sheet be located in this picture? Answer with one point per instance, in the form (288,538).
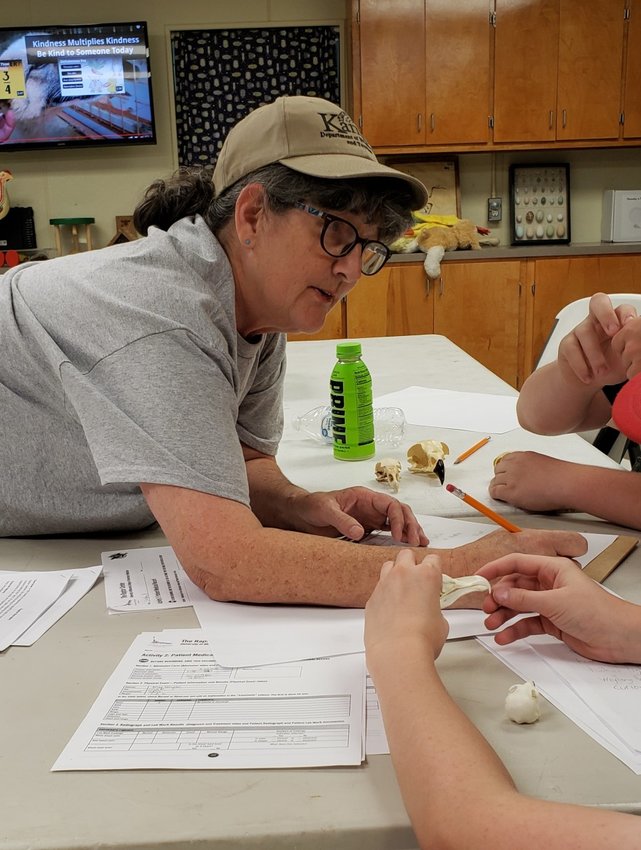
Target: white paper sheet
(375,737)
(243,635)
(148,578)
(80,581)
(169,705)
(25,596)
(525,661)
(494,414)
(613,691)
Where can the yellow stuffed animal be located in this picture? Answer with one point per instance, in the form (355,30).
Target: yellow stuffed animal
(436,234)
(437,239)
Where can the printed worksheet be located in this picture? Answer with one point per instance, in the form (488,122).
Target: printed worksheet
(613,691)
(148,578)
(24,597)
(168,704)
(80,581)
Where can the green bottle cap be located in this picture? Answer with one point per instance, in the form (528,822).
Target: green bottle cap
(348,349)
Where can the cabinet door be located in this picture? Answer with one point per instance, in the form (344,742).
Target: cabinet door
(392,51)
(477,306)
(458,72)
(558,282)
(525,70)
(590,58)
(395,302)
(632,100)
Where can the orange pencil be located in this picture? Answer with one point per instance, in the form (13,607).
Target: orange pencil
(473,449)
(483,509)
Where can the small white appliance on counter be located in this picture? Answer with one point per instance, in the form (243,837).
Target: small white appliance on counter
(621,215)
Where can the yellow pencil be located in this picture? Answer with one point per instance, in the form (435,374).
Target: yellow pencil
(473,449)
(483,509)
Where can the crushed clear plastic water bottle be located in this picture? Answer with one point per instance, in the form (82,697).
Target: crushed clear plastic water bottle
(389,425)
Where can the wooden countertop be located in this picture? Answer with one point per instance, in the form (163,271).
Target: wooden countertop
(506,252)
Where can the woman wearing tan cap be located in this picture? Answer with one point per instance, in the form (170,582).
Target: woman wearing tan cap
(155,367)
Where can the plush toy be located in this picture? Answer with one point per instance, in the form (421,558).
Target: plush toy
(437,239)
(436,234)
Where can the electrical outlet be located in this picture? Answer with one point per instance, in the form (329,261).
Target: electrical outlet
(494,209)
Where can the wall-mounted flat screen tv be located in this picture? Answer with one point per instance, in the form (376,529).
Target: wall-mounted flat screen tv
(73,86)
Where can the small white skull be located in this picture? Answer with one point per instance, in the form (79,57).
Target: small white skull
(423,456)
(522,703)
(388,471)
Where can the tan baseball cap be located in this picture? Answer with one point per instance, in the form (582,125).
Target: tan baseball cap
(307,134)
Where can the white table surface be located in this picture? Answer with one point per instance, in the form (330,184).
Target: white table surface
(46,690)
(396,363)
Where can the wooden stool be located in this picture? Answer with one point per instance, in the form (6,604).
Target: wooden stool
(75,224)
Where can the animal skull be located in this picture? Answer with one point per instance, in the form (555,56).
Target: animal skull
(388,471)
(453,588)
(424,457)
(522,703)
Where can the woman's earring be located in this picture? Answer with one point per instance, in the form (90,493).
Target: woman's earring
(248,241)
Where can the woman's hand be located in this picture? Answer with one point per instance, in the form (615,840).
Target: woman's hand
(405,607)
(354,512)
(570,606)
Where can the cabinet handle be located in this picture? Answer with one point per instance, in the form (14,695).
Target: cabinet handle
(565,117)
(419,121)
(428,286)
(441,288)
(432,122)
(551,118)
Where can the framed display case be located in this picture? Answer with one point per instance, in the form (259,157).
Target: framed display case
(540,204)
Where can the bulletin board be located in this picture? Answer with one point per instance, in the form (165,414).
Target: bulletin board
(441,179)
(220,75)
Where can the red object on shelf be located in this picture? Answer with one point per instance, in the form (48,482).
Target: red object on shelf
(11,258)
(626,410)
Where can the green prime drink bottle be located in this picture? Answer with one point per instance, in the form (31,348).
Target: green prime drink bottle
(350,389)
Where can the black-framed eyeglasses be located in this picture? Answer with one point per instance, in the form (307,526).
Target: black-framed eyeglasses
(339,236)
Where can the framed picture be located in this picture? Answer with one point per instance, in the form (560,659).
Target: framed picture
(540,204)
(440,178)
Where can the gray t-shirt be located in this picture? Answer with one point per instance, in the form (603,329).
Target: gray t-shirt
(121,366)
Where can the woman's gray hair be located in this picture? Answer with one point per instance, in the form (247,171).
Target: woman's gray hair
(383,201)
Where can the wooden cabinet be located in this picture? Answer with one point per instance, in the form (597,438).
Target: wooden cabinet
(422,71)
(558,70)
(553,283)
(590,57)
(632,90)
(390,52)
(501,311)
(476,304)
(433,74)
(396,301)
(526,38)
